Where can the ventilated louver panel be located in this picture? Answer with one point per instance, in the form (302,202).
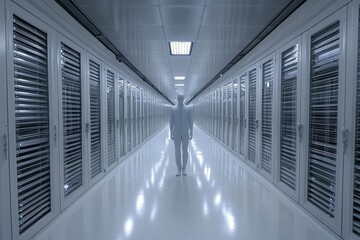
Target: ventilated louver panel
(121,118)
(95,118)
(289,72)
(133,116)
(223,114)
(242,114)
(219,129)
(128,117)
(138,127)
(235,141)
(323,118)
(356,193)
(71,100)
(252,116)
(111,116)
(267,102)
(229,115)
(32,123)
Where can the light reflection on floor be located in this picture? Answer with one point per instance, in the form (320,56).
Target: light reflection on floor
(221,198)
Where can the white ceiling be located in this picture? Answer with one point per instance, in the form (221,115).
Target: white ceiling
(142,29)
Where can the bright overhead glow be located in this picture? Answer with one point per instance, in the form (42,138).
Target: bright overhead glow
(180,48)
(179,77)
(179,85)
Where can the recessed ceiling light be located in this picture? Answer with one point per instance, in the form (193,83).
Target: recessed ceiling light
(179,77)
(179,85)
(180,48)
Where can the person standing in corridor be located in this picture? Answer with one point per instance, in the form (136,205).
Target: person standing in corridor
(181,129)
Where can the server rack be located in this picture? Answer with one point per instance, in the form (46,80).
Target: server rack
(253,123)
(121,92)
(34,191)
(236,116)
(290,129)
(323,149)
(96,143)
(266,135)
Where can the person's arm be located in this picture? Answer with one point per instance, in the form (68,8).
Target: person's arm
(172,118)
(190,123)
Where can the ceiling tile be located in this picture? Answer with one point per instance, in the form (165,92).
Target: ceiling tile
(118,16)
(181,33)
(182,2)
(181,16)
(248,2)
(180,65)
(238,16)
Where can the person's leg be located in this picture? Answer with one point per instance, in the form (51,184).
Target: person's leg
(185,145)
(177,143)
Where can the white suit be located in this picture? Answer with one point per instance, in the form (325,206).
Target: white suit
(181,128)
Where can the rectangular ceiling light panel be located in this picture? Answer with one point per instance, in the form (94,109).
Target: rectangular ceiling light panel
(179,85)
(180,48)
(179,77)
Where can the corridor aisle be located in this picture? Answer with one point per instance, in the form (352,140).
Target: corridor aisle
(221,198)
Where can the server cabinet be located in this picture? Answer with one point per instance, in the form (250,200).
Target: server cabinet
(223,114)
(218,113)
(322,193)
(266,138)
(229,113)
(32,124)
(236,116)
(243,115)
(94,127)
(5,213)
(133,117)
(73,137)
(142,118)
(213,113)
(128,117)
(351,205)
(111,118)
(253,123)
(146,115)
(121,124)
(138,128)
(289,124)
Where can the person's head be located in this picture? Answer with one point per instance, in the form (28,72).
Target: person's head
(180,99)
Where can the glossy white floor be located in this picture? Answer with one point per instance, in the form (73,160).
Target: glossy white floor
(221,198)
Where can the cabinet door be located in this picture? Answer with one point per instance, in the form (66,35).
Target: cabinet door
(290,131)
(133,116)
(219,113)
(94,80)
(32,150)
(5,216)
(324,149)
(223,114)
(229,115)
(351,186)
(266,139)
(242,111)
(128,117)
(110,99)
(253,122)
(121,118)
(235,140)
(73,118)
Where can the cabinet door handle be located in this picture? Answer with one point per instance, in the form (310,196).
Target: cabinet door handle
(345,137)
(87,127)
(300,128)
(55,135)
(5,145)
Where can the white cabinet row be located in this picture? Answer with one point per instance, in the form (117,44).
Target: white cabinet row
(294,117)
(71,118)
